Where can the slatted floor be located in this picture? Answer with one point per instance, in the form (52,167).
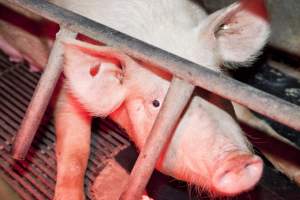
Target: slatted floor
(34,178)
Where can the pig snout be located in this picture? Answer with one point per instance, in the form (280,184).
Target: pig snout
(237,173)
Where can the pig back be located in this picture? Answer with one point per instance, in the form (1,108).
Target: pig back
(138,18)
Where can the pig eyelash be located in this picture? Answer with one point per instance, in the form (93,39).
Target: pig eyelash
(156,103)
(222,27)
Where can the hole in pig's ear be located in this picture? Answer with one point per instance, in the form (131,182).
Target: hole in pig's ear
(242,30)
(94,77)
(95,69)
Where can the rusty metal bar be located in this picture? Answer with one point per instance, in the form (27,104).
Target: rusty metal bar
(41,97)
(261,102)
(177,97)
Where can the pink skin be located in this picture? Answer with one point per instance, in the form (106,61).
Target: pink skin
(208,148)
(210,156)
(19,45)
(15,55)
(73,128)
(202,151)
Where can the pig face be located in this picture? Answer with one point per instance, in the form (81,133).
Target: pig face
(208,148)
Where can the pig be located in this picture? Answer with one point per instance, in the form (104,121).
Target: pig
(20,33)
(208,148)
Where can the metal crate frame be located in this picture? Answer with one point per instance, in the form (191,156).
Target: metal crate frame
(186,75)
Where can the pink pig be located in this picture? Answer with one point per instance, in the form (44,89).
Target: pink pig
(208,148)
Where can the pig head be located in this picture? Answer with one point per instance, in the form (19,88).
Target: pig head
(208,148)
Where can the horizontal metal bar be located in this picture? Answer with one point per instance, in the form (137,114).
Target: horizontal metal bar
(220,84)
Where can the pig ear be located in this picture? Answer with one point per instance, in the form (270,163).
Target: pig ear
(241,30)
(94,76)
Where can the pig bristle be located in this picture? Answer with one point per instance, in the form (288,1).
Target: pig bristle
(199,190)
(247,63)
(257,140)
(248,144)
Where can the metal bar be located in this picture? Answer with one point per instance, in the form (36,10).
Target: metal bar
(41,97)
(177,97)
(259,101)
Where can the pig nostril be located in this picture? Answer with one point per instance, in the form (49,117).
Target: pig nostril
(226,172)
(94,70)
(247,165)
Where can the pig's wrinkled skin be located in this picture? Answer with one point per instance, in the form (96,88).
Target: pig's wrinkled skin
(208,148)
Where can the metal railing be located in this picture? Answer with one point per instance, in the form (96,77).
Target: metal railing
(186,75)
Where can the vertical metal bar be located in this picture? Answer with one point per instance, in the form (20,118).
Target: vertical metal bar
(41,97)
(177,97)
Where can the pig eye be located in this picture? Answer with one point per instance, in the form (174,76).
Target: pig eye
(224,26)
(155,103)
(94,70)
